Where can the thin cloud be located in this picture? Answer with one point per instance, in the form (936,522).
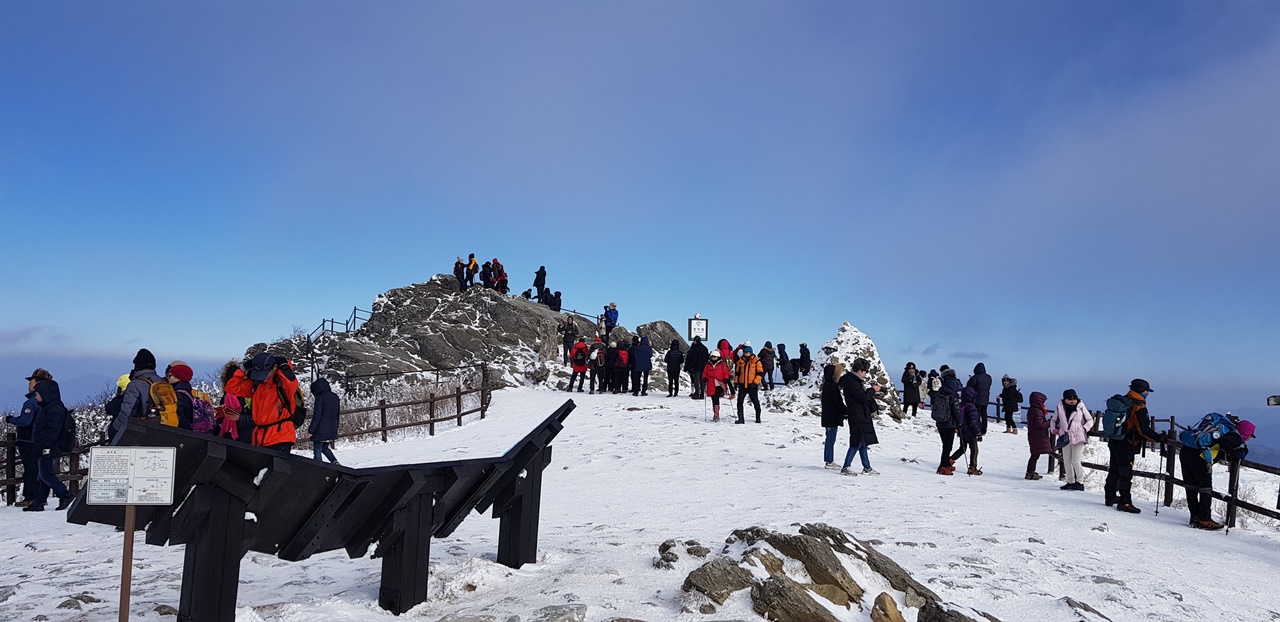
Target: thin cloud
(24,334)
(933,349)
(975,354)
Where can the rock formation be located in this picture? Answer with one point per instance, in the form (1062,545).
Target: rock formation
(848,344)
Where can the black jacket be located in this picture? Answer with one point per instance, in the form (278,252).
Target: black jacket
(183,391)
(50,419)
(981,382)
(833,410)
(805,360)
(910,387)
(696,359)
(540,279)
(324,415)
(674,357)
(860,403)
(1010,397)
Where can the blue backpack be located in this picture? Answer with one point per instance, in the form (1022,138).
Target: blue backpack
(1113,420)
(1205,434)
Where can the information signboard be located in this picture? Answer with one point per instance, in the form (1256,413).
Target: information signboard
(130,476)
(698,327)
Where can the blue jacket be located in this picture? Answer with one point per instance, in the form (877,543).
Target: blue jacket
(642,354)
(50,418)
(25,418)
(610,318)
(324,416)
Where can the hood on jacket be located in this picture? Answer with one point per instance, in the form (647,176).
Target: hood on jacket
(979,369)
(644,341)
(933,373)
(768,344)
(828,373)
(969,395)
(675,343)
(1038,399)
(320,386)
(782,347)
(950,373)
(723,344)
(49,392)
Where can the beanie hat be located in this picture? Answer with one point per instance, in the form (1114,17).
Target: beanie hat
(1246,430)
(747,350)
(181,372)
(861,365)
(715,354)
(122,382)
(144,359)
(1070,394)
(747,343)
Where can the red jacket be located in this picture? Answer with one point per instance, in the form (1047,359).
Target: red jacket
(272,425)
(714,373)
(586,356)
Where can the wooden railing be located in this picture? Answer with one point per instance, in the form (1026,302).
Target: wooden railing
(72,475)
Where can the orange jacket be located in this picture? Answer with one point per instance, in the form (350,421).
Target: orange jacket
(749,370)
(271,423)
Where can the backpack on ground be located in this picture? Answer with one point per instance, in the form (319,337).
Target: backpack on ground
(165,400)
(67,437)
(1115,417)
(203,416)
(579,357)
(1206,433)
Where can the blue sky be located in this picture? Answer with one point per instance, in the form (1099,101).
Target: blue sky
(1074,193)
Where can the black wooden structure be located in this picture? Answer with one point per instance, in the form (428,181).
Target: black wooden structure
(231,498)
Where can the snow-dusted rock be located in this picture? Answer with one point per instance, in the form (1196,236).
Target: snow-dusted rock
(849,344)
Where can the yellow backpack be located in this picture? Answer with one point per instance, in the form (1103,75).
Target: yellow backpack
(165,400)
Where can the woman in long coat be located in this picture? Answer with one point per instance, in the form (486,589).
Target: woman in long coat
(1037,433)
(833,411)
(910,389)
(860,404)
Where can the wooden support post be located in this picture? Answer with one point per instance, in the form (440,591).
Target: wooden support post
(211,571)
(405,563)
(382,404)
(74,488)
(1168,464)
(1233,488)
(518,514)
(126,561)
(11,468)
(431,414)
(459,403)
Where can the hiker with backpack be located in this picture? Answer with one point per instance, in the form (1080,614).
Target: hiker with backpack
(486,276)
(694,363)
(136,399)
(596,365)
(580,359)
(1039,440)
(1215,439)
(52,434)
(641,365)
(326,408)
(610,319)
(833,411)
(981,383)
(1010,397)
(786,366)
(860,405)
(194,411)
(1071,424)
(460,273)
(472,268)
(715,375)
(24,421)
(768,361)
(673,358)
(270,382)
(970,429)
(621,367)
(1127,426)
(910,389)
(944,408)
(747,377)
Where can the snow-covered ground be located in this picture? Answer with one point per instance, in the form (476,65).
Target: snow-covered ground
(629,473)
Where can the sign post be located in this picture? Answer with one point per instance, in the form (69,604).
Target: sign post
(698,327)
(130,476)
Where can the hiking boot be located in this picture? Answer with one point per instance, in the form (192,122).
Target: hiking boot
(715,419)
(1031,476)
(740,420)
(945,470)
(975,471)
(1077,486)
(34,508)
(1109,502)
(848,472)
(870,471)
(22,504)
(1128,507)
(1067,487)
(1013,431)
(1210,525)
(831,465)
(757,418)
(65,502)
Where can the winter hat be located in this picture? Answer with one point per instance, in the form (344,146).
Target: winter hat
(747,343)
(768,344)
(697,339)
(1005,377)
(1139,385)
(613,305)
(144,359)
(181,372)
(715,354)
(40,374)
(861,365)
(1246,430)
(1070,394)
(261,366)
(943,368)
(747,350)
(583,340)
(613,344)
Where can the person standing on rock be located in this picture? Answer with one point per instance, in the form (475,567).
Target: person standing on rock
(860,406)
(472,269)
(674,358)
(1010,397)
(1074,420)
(610,319)
(715,376)
(1039,440)
(910,389)
(694,363)
(748,375)
(641,365)
(555,302)
(460,273)
(580,357)
(569,334)
(786,366)
(806,361)
(768,361)
(833,411)
(486,275)
(540,282)
(981,383)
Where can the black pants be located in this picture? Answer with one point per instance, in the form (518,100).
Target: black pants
(716,395)
(914,406)
(768,380)
(620,379)
(1199,478)
(567,347)
(581,376)
(948,440)
(30,470)
(592,381)
(697,386)
(673,381)
(1120,472)
(639,382)
(982,410)
(750,391)
(1032,463)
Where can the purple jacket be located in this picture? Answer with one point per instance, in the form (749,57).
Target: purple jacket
(970,418)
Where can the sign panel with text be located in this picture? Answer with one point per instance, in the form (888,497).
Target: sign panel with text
(130,476)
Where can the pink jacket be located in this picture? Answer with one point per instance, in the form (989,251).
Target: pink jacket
(1077,426)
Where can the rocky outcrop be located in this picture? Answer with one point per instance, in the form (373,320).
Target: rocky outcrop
(758,558)
(802,396)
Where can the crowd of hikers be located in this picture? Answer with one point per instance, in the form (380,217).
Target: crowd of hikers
(262,403)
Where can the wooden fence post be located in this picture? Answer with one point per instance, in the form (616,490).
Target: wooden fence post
(75,470)
(1168,462)
(431,415)
(382,403)
(11,468)
(1232,488)
(459,401)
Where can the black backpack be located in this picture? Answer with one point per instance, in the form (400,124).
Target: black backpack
(580,357)
(67,438)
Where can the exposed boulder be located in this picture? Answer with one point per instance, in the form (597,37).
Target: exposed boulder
(717,579)
(782,599)
(886,609)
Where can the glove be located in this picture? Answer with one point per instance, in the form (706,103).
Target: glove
(282,363)
(45,452)
(979,438)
